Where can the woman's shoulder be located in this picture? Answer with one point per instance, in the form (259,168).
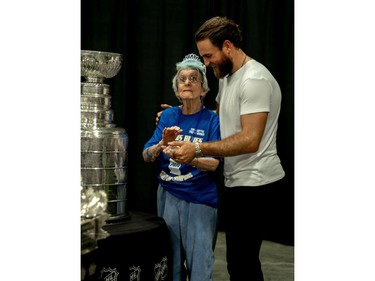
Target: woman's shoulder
(170,111)
(210,112)
(173,108)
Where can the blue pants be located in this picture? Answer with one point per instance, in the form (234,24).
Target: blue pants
(193,232)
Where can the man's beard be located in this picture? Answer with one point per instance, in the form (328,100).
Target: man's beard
(223,68)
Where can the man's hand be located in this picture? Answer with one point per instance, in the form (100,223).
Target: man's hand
(164,106)
(184,151)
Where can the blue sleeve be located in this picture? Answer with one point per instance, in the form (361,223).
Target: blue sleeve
(214,133)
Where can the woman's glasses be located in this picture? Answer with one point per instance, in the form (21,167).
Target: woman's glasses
(192,79)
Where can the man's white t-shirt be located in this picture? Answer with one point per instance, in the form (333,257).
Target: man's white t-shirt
(250,89)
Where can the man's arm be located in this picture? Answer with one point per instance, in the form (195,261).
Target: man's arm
(246,141)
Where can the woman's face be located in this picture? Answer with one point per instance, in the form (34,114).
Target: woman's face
(189,85)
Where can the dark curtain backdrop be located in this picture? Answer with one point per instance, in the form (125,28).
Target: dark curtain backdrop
(153,36)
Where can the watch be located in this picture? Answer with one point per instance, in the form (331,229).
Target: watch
(198,151)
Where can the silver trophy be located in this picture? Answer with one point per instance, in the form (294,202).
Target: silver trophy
(103,145)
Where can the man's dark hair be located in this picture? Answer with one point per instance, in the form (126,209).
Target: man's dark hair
(219,29)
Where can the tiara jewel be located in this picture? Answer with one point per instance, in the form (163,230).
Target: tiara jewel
(194,58)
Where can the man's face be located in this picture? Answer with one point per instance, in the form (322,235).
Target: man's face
(215,58)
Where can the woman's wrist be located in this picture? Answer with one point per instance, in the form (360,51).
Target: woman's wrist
(194,163)
(150,156)
(158,148)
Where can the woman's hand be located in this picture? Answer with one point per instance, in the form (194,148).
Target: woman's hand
(170,134)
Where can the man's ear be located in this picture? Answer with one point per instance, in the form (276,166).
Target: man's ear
(227,46)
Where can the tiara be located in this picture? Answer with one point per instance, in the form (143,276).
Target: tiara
(192,60)
(192,57)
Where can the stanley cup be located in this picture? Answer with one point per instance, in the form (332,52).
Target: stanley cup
(103,145)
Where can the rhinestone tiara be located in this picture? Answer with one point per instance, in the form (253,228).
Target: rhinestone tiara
(192,60)
(193,57)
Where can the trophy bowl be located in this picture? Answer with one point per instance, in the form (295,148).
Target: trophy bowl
(96,65)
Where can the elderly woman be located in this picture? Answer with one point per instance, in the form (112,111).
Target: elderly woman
(187,195)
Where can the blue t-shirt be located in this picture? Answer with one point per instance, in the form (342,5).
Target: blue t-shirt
(183,180)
